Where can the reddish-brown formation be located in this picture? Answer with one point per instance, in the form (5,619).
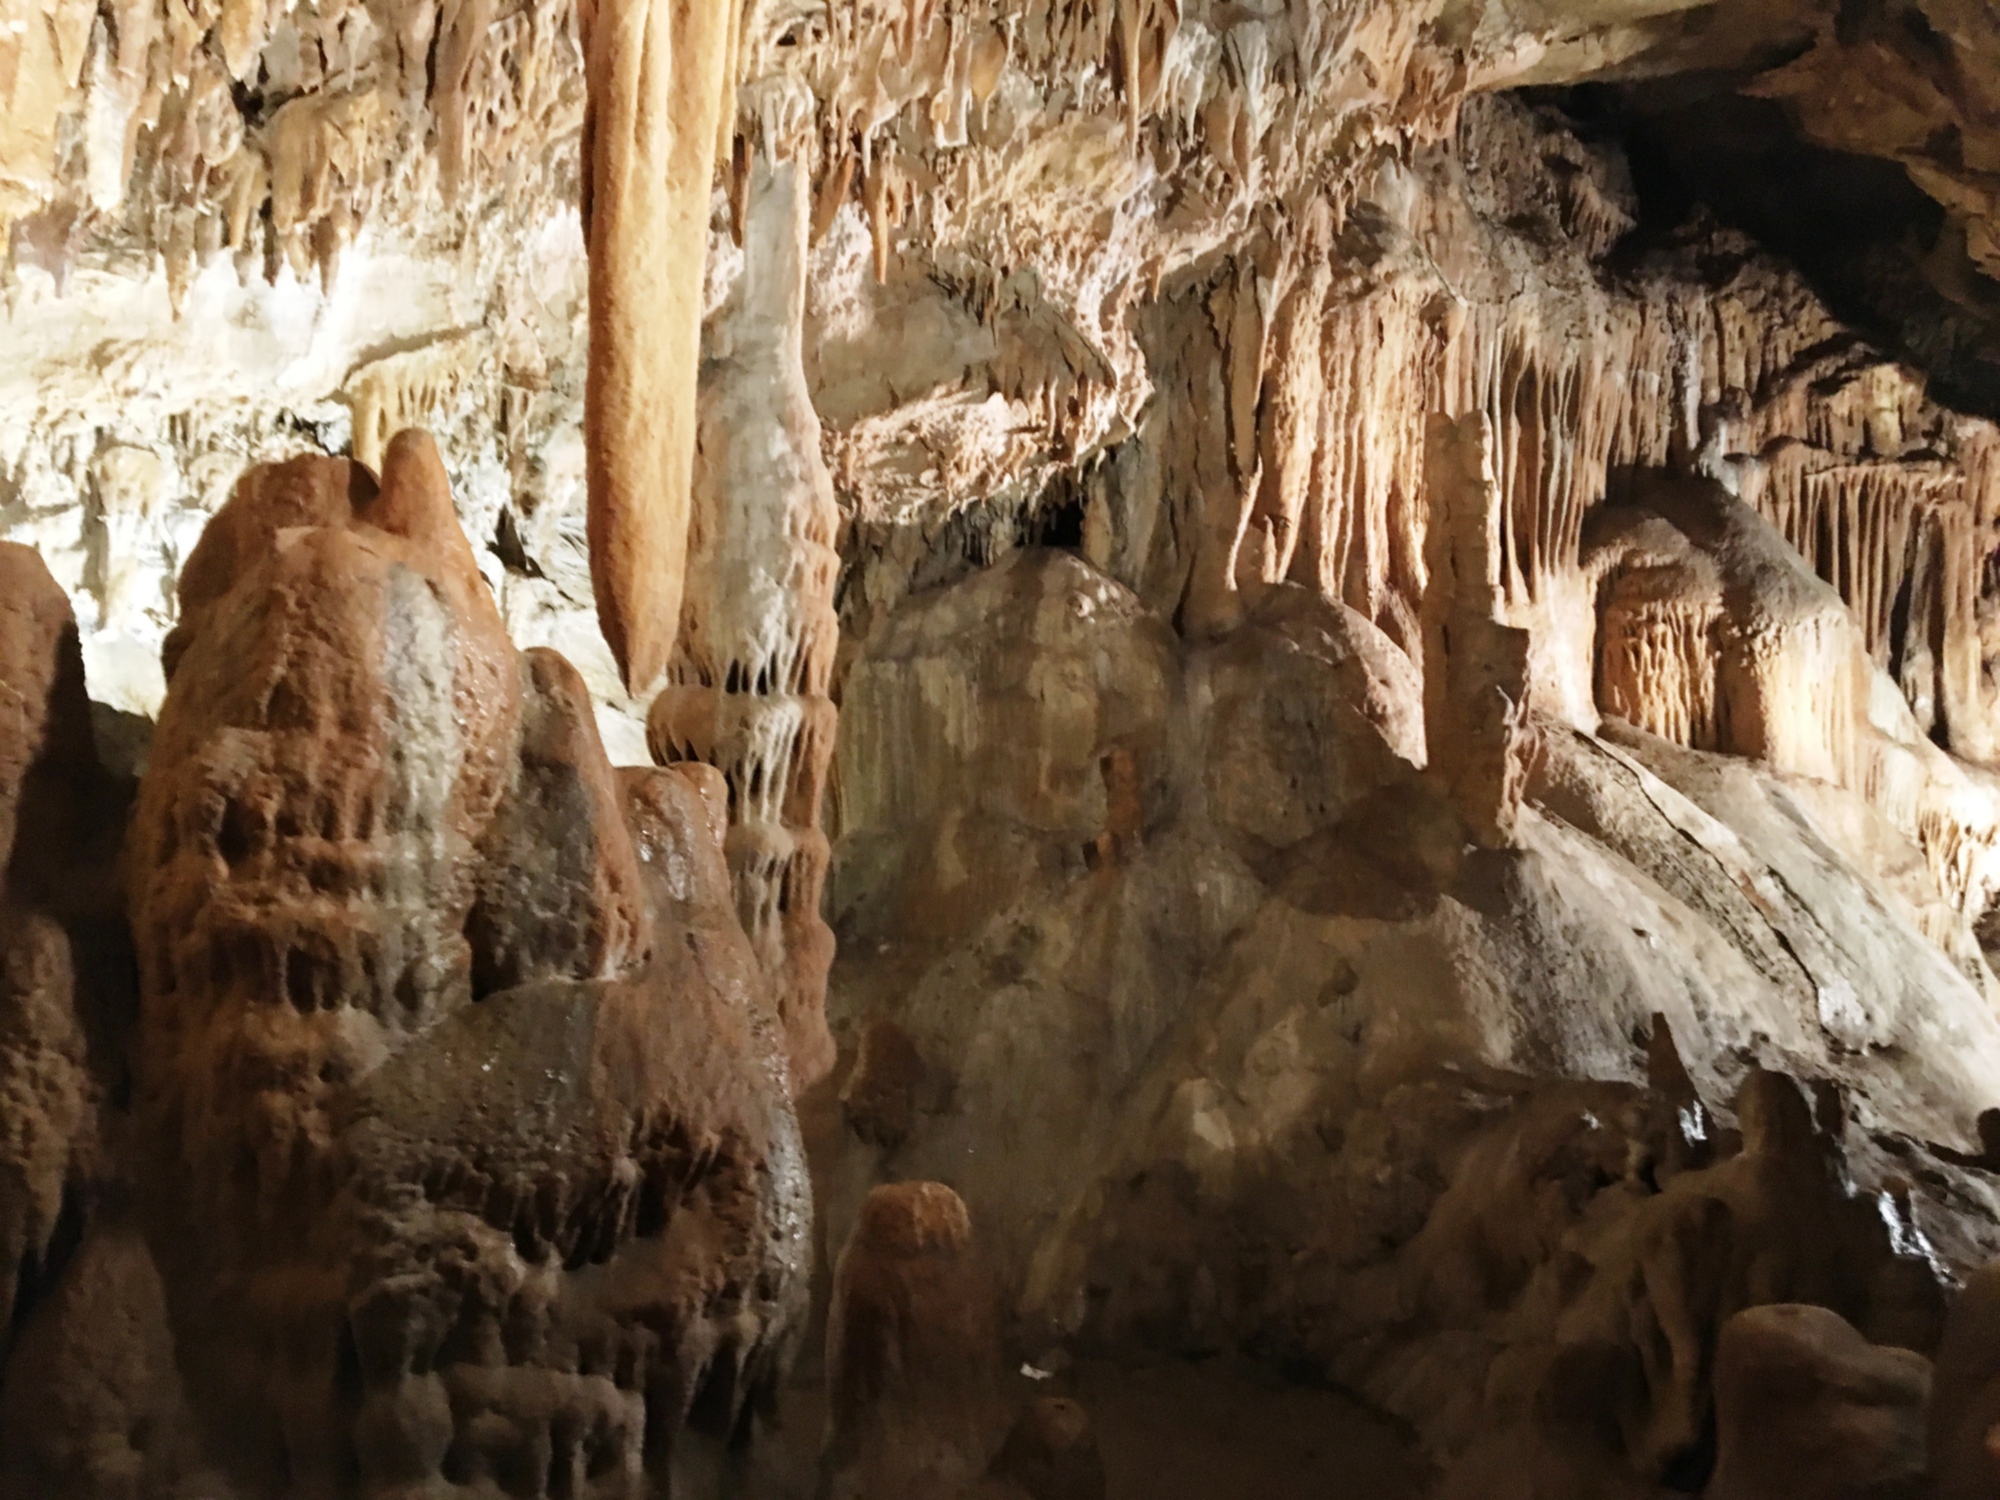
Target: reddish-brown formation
(912,1355)
(468,1154)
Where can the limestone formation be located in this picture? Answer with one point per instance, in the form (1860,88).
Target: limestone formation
(1730,645)
(912,1351)
(1477,738)
(466,1144)
(1805,1406)
(661,75)
(752,672)
(1376,624)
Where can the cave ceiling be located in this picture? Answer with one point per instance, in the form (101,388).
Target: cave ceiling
(235,227)
(139,134)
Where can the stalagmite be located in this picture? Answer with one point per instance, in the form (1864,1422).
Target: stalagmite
(912,1352)
(749,681)
(1475,668)
(661,86)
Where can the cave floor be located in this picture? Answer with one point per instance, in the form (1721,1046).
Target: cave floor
(1222,1428)
(1214,1429)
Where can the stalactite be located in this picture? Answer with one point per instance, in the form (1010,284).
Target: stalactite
(1365,510)
(1656,667)
(750,678)
(408,389)
(659,87)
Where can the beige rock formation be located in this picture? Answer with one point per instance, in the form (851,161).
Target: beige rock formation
(660,74)
(750,680)
(1477,734)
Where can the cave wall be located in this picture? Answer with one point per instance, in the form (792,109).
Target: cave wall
(1366,689)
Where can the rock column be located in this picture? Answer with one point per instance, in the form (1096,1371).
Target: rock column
(749,683)
(1475,668)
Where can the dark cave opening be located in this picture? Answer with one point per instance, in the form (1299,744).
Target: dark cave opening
(1883,254)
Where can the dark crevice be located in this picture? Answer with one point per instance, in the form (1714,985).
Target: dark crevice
(1874,246)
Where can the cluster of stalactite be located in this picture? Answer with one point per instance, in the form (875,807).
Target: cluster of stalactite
(1291,409)
(272,134)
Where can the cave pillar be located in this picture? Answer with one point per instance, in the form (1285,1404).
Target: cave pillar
(1476,727)
(749,686)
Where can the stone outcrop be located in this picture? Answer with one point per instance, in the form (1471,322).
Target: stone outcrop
(459,1146)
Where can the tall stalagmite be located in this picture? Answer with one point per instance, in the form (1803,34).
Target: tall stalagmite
(1475,668)
(750,678)
(662,79)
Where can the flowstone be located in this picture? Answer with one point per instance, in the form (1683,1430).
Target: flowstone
(460,1130)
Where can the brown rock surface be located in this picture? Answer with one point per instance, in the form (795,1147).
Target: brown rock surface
(1965,1394)
(466,1144)
(1808,1408)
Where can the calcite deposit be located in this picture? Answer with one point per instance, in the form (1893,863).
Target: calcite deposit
(460,1127)
(787,748)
